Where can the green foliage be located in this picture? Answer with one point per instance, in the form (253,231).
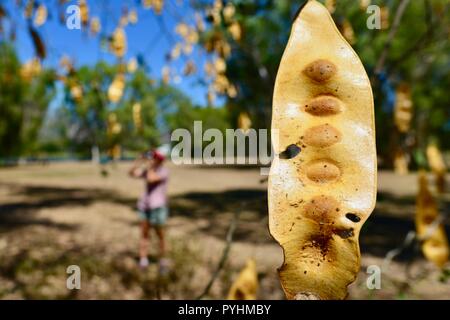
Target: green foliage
(418,56)
(23,105)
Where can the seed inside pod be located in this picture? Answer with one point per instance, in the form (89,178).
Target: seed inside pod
(322,136)
(320,70)
(322,171)
(323,106)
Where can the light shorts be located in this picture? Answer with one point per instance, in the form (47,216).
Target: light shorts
(156,216)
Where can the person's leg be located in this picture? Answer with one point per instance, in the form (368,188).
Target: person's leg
(144,243)
(162,242)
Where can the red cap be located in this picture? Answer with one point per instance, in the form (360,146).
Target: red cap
(158,156)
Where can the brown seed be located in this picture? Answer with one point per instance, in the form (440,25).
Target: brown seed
(322,136)
(320,70)
(322,171)
(323,106)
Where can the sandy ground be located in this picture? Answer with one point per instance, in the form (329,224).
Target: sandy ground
(69,214)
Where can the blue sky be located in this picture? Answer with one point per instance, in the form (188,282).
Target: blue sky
(152,37)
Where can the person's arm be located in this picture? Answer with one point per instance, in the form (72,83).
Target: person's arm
(136,171)
(154,177)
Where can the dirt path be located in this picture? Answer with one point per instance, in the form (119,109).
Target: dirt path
(62,214)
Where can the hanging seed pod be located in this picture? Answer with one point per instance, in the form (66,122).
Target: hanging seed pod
(330,5)
(220,65)
(244,122)
(76,92)
(403,109)
(118,44)
(133,16)
(245,287)
(322,183)
(158,6)
(147,4)
(384,16)
(437,165)
(235,31)
(363,4)
(95,26)
(137,119)
(434,240)
(400,163)
(132,65)
(66,64)
(347,32)
(41,15)
(228,12)
(84,12)
(115,90)
(30,69)
(211,97)
(232,91)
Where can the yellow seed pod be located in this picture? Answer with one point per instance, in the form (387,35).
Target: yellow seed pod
(244,122)
(235,31)
(176,51)
(115,90)
(133,16)
(322,183)
(31,69)
(384,16)
(84,12)
(347,32)
(435,245)
(95,26)
(158,6)
(182,29)
(132,65)
(245,287)
(228,12)
(137,119)
(331,5)
(400,163)
(363,4)
(76,91)
(210,69)
(232,91)
(66,63)
(118,44)
(403,108)
(41,15)
(220,65)
(147,4)
(437,165)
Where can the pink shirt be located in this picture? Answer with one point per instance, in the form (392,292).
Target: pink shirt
(155,194)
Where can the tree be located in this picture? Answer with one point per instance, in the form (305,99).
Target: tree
(25,93)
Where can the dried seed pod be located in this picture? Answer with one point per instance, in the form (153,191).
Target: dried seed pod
(403,108)
(84,12)
(244,122)
(115,90)
(133,16)
(132,65)
(437,165)
(401,162)
(322,184)
(41,15)
(118,43)
(435,245)
(95,26)
(30,69)
(245,287)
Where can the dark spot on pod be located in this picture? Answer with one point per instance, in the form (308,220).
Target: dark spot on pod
(352,217)
(291,152)
(345,233)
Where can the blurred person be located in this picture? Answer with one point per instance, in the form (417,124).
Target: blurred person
(152,205)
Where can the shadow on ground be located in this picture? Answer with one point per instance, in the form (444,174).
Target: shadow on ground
(385,230)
